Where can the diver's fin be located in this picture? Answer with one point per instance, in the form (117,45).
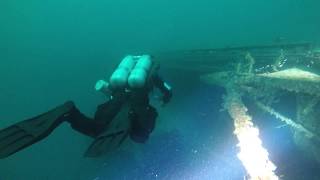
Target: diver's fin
(106,143)
(23,134)
(116,133)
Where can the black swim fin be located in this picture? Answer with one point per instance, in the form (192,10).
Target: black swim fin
(113,137)
(106,143)
(23,134)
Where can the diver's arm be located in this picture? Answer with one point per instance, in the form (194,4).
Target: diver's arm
(163,87)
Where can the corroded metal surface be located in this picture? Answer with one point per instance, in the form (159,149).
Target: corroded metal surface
(224,59)
(265,73)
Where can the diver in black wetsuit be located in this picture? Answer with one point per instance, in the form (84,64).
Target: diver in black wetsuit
(129,86)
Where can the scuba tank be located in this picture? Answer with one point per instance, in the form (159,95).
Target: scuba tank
(139,74)
(132,72)
(119,77)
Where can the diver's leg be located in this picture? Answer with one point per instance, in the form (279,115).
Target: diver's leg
(113,114)
(103,116)
(85,125)
(143,121)
(106,112)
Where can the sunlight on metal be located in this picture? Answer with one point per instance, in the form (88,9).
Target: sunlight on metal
(253,155)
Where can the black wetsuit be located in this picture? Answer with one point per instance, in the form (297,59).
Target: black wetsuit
(141,114)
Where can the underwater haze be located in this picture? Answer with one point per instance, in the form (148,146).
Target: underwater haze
(55,50)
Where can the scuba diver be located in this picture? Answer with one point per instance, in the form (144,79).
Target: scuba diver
(127,113)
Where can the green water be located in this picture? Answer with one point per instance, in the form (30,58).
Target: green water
(52,51)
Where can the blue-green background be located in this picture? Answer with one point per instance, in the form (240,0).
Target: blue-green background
(54,50)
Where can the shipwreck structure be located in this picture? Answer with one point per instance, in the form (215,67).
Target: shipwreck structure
(263,74)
